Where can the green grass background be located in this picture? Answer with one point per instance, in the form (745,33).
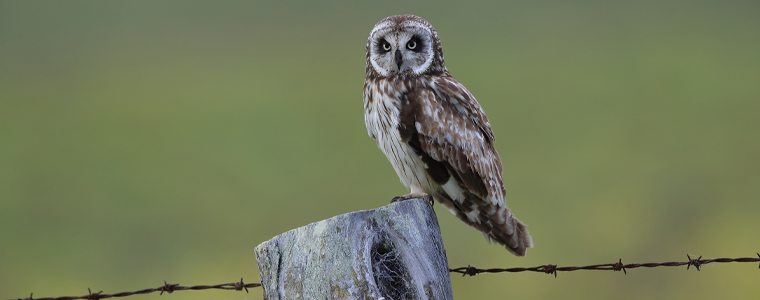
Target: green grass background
(143,141)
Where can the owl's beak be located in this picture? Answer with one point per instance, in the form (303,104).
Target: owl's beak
(398,59)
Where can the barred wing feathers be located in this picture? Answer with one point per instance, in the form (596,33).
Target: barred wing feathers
(446,126)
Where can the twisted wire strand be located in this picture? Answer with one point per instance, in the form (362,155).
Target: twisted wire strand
(469,270)
(618,266)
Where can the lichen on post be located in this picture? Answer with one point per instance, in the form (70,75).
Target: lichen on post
(392,252)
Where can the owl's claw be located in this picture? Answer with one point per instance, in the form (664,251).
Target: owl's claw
(425,197)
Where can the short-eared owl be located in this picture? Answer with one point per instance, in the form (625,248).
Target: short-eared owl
(433,131)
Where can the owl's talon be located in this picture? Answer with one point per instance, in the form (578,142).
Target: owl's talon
(425,197)
(396,199)
(429,198)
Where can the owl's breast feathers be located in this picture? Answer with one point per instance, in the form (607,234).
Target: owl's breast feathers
(446,128)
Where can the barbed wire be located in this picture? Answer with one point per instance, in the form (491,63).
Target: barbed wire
(469,270)
(167,287)
(618,266)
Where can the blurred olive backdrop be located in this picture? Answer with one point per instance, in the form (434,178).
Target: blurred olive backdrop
(143,141)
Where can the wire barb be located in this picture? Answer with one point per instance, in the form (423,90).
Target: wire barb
(549,269)
(619,266)
(470,270)
(239,286)
(693,262)
(95,296)
(168,288)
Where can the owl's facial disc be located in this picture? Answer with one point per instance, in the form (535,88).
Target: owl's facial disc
(399,48)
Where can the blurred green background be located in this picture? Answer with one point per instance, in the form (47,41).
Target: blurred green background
(143,141)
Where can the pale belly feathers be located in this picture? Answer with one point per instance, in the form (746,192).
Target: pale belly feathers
(381,116)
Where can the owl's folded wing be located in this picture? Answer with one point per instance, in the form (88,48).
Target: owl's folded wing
(444,121)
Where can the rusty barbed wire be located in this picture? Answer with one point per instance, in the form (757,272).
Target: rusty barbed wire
(167,287)
(618,266)
(469,270)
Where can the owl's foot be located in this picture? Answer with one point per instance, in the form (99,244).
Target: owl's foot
(425,197)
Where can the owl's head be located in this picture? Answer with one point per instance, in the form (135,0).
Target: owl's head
(404,45)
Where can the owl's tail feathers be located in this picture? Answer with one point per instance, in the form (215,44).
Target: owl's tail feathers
(509,232)
(496,222)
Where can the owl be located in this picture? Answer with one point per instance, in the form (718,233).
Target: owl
(433,131)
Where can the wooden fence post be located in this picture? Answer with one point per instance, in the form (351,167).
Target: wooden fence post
(392,252)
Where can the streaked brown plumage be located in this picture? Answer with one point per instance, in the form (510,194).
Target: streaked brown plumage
(433,131)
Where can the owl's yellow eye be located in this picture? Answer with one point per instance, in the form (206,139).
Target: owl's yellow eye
(411,45)
(386,46)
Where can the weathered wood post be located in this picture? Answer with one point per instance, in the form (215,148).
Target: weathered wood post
(392,252)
